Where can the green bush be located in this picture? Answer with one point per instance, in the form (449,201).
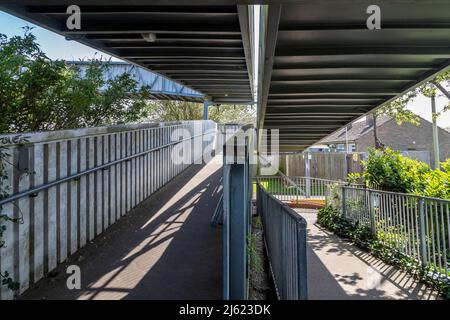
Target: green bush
(331,219)
(390,171)
(436,182)
(39,94)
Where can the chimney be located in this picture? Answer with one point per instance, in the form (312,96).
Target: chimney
(369,120)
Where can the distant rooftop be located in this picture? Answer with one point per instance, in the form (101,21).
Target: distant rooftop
(354,130)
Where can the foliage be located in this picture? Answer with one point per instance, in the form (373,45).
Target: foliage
(353,178)
(5,190)
(397,109)
(241,114)
(436,183)
(166,110)
(256,262)
(160,110)
(443,80)
(363,237)
(390,171)
(334,196)
(38,94)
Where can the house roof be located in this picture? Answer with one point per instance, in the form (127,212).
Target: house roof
(355,131)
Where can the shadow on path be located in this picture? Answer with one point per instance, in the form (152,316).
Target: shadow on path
(339,270)
(163,249)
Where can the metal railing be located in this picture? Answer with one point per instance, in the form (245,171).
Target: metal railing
(287,188)
(238,172)
(285,240)
(414,226)
(79,182)
(217,217)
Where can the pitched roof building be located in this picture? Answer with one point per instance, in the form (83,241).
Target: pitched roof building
(358,137)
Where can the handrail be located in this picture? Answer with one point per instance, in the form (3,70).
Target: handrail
(414,227)
(218,213)
(291,212)
(285,244)
(34,191)
(397,193)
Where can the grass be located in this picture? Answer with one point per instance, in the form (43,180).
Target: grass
(277,187)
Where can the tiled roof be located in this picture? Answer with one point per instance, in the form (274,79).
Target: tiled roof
(354,132)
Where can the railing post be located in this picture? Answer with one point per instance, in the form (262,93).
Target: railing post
(301,261)
(308,174)
(283,261)
(371,212)
(343,201)
(422,234)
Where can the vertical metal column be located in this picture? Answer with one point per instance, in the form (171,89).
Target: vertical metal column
(372,212)
(422,235)
(302,264)
(435,134)
(308,173)
(206,105)
(237,190)
(343,202)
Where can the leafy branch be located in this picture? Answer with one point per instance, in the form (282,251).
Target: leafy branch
(397,109)
(5,190)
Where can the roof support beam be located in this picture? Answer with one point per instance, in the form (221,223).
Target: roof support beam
(243,11)
(443,51)
(172,28)
(394,26)
(102,10)
(268,38)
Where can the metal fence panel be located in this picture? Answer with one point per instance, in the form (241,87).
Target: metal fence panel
(412,226)
(285,239)
(79,182)
(237,204)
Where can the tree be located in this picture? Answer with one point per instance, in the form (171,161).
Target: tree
(397,110)
(241,114)
(39,94)
(168,110)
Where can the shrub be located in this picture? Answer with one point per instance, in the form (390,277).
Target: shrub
(38,94)
(390,171)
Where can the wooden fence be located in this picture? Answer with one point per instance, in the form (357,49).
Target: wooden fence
(69,186)
(335,165)
(332,166)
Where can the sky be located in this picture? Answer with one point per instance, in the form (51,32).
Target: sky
(56,47)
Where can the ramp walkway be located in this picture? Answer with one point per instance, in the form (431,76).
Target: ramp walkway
(163,249)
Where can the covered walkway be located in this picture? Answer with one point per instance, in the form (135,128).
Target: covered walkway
(337,270)
(163,249)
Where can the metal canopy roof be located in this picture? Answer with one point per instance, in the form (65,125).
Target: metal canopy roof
(160,88)
(324,68)
(320,66)
(206,48)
